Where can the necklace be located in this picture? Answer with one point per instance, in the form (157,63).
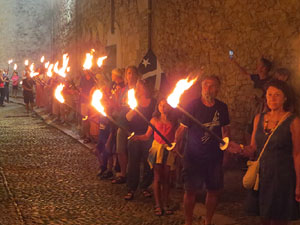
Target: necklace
(267,130)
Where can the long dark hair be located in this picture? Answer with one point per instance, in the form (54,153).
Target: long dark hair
(172,115)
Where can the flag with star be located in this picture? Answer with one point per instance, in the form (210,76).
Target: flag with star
(151,71)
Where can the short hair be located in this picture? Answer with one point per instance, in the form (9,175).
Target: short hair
(283,71)
(134,69)
(211,77)
(117,72)
(284,87)
(267,63)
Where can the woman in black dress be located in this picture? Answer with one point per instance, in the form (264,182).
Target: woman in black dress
(279,172)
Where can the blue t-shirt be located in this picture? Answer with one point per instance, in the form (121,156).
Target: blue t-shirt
(200,145)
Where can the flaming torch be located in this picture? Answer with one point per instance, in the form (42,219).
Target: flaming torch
(133,104)
(47,65)
(26,63)
(49,72)
(9,62)
(42,59)
(15,67)
(96,103)
(88,62)
(174,99)
(62,70)
(32,73)
(100,60)
(58,94)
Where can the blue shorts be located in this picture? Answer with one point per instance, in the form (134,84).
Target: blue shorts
(210,174)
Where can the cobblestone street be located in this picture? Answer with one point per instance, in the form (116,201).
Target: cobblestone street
(48,177)
(51,179)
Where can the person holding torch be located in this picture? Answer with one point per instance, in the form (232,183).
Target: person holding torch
(203,159)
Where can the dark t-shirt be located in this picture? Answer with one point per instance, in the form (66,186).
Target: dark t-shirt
(137,124)
(200,146)
(258,83)
(86,86)
(28,83)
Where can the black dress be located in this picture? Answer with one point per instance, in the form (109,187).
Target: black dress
(275,199)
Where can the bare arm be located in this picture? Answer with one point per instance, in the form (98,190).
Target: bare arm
(295,130)
(180,132)
(147,135)
(242,69)
(226,131)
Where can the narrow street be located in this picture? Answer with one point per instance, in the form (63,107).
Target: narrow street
(49,178)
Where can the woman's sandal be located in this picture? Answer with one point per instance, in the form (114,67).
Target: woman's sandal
(129,196)
(158,211)
(169,211)
(147,194)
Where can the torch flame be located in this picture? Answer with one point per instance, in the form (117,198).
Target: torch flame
(63,69)
(131,99)
(32,73)
(26,62)
(58,94)
(47,64)
(100,60)
(88,61)
(42,59)
(181,86)
(15,67)
(49,72)
(96,102)
(10,61)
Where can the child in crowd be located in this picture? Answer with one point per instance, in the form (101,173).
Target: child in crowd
(160,159)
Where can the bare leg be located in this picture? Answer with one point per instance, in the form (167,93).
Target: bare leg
(122,157)
(211,205)
(157,184)
(189,204)
(166,185)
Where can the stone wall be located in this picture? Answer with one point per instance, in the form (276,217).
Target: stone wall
(25,28)
(193,33)
(185,36)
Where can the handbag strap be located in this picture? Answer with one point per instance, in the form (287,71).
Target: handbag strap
(285,116)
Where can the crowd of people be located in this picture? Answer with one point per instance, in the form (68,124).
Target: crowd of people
(197,154)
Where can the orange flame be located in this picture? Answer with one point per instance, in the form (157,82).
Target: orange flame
(10,61)
(96,102)
(26,62)
(131,99)
(63,69)
(181,86)
(58,94)
(100,60)
(32,73)
(47,64)
(49,72)
(88,61)
(15,67)
(42,59)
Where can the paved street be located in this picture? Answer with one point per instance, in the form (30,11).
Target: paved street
(48,177)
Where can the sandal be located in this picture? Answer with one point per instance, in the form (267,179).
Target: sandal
(87,140)
(129,196)
(158,211)
(119,180)
(169,211)
(147,194)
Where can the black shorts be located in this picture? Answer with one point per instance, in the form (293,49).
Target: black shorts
(28,97)
(209,174)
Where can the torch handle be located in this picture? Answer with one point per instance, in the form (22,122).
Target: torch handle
(118,125)
(201,125)
(153,127)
